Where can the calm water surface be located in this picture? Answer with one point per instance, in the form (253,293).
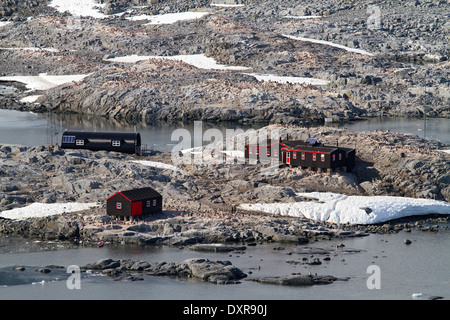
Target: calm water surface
(32,129)
(421,267)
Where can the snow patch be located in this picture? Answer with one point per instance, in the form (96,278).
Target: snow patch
(302,17)
(90,8)
(31,98)
(225,5)
(39,210)
(339,208)
(197,60)
(329,43)
(44,81)
(203,62)
(4,23)
(170,18)
(85,8)
(155,164)
(283,79)
(32,49)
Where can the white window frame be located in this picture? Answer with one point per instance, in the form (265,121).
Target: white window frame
(119,205)
(115,143)
(79,142)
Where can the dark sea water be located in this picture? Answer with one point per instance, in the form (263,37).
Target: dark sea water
(419,269)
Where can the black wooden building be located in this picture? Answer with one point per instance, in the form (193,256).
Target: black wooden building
(126,142)
(306,154)
(264,152)
(134,203)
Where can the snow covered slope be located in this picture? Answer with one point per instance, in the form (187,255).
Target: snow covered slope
(339,208)
(37,209)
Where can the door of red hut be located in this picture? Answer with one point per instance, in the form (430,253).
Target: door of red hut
(136,208)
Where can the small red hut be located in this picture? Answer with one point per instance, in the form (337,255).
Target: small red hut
(134,203)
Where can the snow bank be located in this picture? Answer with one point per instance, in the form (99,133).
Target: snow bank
(203,62)
(37,210)
(154,164)
(4,23)
(30,99)
(168,18)
(282,79)
(339,208)
(329,43)
(225,5)
(44,81)
(197,60)
(32,49)
(302,17)
(90,8)
(86,8)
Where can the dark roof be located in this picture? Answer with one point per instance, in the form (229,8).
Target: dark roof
(347,150)
(267,142)
(295,143)
(139,194)
(302,146)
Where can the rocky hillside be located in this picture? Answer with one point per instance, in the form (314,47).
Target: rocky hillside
(401,67)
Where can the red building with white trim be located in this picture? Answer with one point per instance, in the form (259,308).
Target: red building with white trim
(305,154)
(134,203)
